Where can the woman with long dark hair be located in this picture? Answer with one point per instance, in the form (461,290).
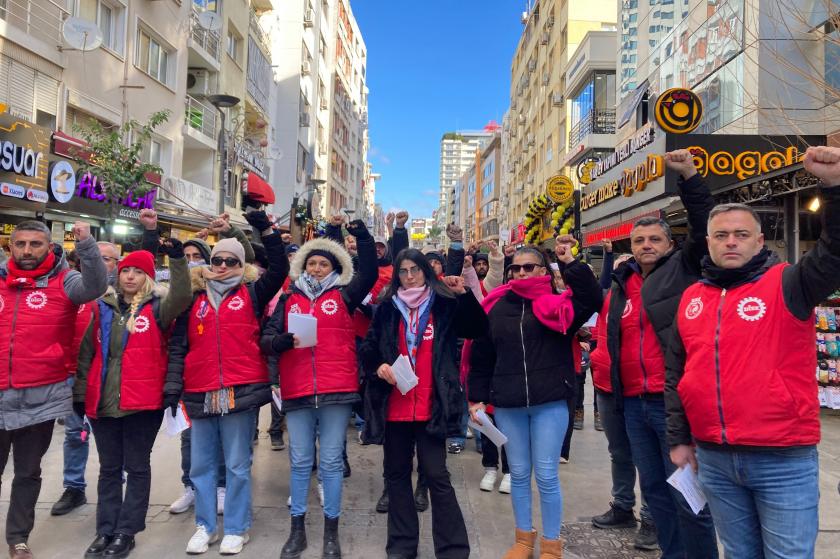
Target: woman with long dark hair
(525,368)
(420,317)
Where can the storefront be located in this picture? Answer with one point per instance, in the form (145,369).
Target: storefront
(184,207)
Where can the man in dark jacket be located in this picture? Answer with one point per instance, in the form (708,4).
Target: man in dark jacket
(631,351)
(740,377)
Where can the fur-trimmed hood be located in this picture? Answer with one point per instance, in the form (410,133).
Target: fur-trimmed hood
(112,297)
(198,283)
(296,266)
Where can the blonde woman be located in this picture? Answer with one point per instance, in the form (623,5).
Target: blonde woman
(119,386)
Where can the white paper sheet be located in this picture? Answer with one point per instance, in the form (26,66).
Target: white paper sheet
(592,320)
(177,423)
(278,401)
(488,429)
(305,327)
(406,379)
(685,481)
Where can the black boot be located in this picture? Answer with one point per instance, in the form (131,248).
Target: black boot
(382,503)
(119,547)
(421,498)
(297,539)
(97,548)
(332,549)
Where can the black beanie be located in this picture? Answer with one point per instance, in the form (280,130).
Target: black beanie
(480,256)
(436,256)
(328,255)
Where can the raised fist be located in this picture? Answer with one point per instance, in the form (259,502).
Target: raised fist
(402,218)
(286,238)
(494,248)
(337,220)
(824,163)
(607,244)
(148,217)
(456,284)
(173,248)
(455,233)
(468,261)
(221,224)
(509,250)
(202,234)
(81,230)
(389,219)
(682,162)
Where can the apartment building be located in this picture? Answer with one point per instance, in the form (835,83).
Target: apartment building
(457,153)
(477,193)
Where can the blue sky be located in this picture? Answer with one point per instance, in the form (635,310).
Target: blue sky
(433,66)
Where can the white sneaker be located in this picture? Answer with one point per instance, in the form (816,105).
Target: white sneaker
(564,460)
(220,500)
(200,541)
(231,545)
(289,502)
(469,433)
(489,480)
(504,487)
(321,493)
(184,502)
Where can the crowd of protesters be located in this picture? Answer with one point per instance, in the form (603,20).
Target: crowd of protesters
(701,355)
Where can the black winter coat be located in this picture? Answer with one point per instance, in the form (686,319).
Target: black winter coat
(523,363)
(461,317)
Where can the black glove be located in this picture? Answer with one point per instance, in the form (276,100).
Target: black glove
(358,229)
(173,248)
(283,342)
(258,220)
(79,408)
(171,401)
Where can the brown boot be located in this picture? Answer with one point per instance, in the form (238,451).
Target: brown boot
(551,549)
(524,546)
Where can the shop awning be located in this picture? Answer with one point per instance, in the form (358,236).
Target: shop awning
(615,231)
(259,190)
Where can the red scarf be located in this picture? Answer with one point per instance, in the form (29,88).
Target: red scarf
(25,279)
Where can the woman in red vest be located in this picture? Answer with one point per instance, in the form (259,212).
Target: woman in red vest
(320,384)
(119,386)
(420,317)
(216,368)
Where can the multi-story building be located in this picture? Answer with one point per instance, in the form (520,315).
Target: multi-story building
(370,195)
(538,115)
(476,194)
(457,153)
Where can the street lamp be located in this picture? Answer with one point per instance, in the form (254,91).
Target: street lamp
(221,101)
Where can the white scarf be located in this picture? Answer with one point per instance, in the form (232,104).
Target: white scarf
(313,288)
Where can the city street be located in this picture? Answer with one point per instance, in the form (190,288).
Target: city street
(585,479)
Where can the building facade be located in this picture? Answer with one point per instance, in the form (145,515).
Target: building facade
(457,153)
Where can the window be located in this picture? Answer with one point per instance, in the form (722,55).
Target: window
(233,46)
(302,157)
(152,57)
(108,15)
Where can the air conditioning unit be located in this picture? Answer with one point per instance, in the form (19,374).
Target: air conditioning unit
(304,120)
(307,17)
(198,82)
(305,68)
(544,38)
(557,99)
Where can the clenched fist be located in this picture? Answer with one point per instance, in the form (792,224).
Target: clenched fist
(456,284)
(401,218)
(148,217)
(682,162)
(81,230)
(824,163)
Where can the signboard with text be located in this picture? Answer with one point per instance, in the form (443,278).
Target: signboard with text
(24,151)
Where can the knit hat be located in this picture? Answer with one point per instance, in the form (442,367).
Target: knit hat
(232,246)
(480,256)
(202,246)
(326,254)
(436,256)
(140,259)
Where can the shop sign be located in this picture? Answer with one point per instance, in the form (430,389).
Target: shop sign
(90,187)
(639,141)
(560,189)
(678,110)
(179,191)
(62,181)
(23,159)
(632,180)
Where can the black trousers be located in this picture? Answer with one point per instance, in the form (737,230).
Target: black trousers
(490,452)
(124,444)
(29,444)
(448,529)
(278,422)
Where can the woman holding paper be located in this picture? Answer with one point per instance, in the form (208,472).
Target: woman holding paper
(216,368)
(119,386)
(319,381)
(525,368)
(413,338)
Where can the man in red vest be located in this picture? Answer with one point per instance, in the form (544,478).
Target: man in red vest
(39,298)
(740,377)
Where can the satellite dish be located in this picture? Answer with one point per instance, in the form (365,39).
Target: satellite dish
(81,34)
(210,21)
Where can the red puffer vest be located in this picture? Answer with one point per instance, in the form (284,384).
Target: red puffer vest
(749,370)
(34,340)
(82,323)
(416,405)
(224,345)
(329,367)
(361,323)
(641,362)
(143,364)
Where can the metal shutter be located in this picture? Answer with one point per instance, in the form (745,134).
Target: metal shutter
(46,94)
(22,90)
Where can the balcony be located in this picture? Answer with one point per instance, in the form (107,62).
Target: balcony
(597,121)
(200,123)
(259,33)
(205,46)
(41,20)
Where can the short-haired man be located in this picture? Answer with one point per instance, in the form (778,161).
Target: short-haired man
(629,368)
(740,381)
(39,298)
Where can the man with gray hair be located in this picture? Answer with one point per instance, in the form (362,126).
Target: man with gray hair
(740,388)
(629,369)
(39,298)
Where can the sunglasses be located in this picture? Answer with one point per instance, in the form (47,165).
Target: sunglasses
(229,262)
(515,268)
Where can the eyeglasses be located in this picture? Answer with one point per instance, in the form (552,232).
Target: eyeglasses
(229,262)
(414,270)
(107,259)
(515,268)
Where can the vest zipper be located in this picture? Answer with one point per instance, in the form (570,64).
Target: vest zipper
(717,367)
(12,336)
(642,351)
(314,378)
(524,360)
(219,348)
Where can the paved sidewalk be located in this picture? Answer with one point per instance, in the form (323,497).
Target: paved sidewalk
(585,480)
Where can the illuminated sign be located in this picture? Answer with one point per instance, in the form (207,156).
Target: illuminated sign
(639,141)
(90,187)
(560,189)
(744,164)
(678,111)
(632,180)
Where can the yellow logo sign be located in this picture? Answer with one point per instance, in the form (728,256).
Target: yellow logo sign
(584,170)
(678,111)
(560,189)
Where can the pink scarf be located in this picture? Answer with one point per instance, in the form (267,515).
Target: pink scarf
(414,297)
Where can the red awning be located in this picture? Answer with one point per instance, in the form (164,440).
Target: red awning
(259,190)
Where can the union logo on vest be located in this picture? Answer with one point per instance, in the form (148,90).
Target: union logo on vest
(236,303)
(36,300)
(329,307)
(295,309)
(751,309)
(141,324)
(429,334)
(694,308)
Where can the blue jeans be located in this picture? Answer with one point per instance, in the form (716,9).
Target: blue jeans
(186,461)
(534,441)
(765,504)
(76,448)
(331,423)
(680,532)
(233,433)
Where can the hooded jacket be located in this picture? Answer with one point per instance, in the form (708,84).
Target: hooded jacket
(326,373)
(258,290)
(202,247)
